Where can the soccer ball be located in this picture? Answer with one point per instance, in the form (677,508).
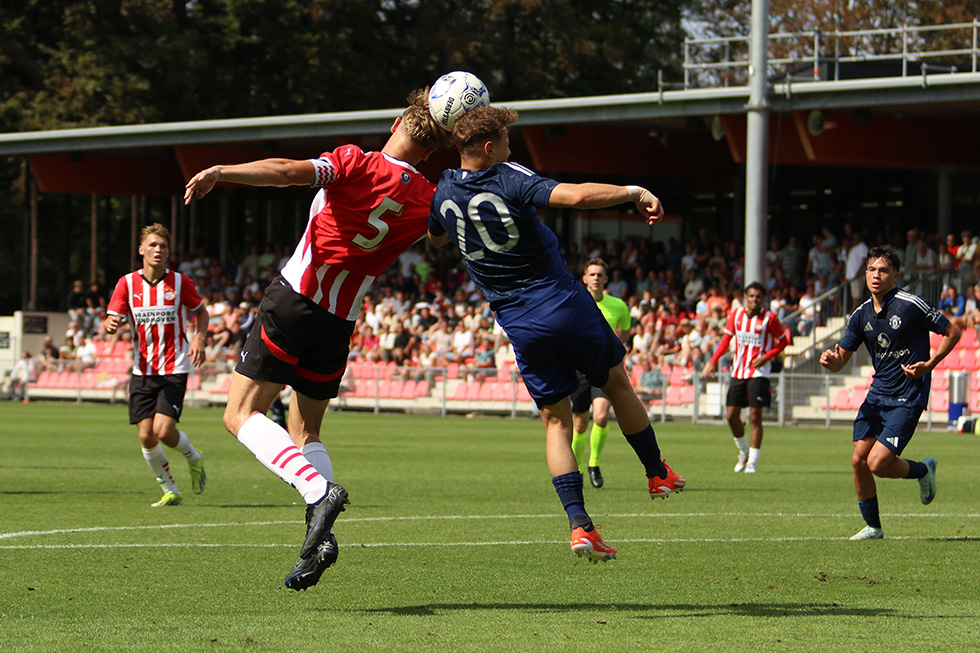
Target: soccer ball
(454,94)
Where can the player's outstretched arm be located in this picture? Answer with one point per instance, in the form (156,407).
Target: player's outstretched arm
(599,196)
(266,172)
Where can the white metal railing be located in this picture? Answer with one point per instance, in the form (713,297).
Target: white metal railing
(796,397)
(712,61)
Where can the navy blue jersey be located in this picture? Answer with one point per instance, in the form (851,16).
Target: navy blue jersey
(491,215)
(898,335)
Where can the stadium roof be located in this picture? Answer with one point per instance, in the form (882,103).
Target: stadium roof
(915,122)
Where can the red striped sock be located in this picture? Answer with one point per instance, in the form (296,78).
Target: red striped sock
(272,446)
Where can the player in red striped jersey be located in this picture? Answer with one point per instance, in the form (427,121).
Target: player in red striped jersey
(759,338)
(370,207)
(157,303)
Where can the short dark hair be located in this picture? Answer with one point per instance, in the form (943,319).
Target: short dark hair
(885,252)
(756,285)
(596,261)
(477,126)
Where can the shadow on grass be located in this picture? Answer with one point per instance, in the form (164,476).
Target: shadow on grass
(655,611)
(954,538)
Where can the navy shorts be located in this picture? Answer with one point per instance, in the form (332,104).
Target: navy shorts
(149,395)
(295,342)
(756,393)
(893,426)
(558,338)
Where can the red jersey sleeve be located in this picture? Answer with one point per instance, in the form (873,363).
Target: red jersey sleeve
(730,324)
(331,167)
(779,339)
(119,302)
(189,296)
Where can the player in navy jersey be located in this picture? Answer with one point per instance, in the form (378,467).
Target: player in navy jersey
(894,325)
(368,209)
(489,209)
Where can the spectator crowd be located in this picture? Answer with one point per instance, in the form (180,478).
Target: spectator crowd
(426,312)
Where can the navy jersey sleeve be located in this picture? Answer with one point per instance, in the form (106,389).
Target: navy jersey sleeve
(435,227)
(933,320)
(535,190)
(852,333)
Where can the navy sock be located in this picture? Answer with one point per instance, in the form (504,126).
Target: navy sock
(569,489)
(647,450)
(869,510)
(916,469)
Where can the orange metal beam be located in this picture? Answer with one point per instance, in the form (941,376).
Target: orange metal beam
(105,175)
(592,151)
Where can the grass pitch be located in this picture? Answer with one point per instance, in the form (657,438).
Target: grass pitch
(456,541)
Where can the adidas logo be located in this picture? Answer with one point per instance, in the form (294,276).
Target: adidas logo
(868,327)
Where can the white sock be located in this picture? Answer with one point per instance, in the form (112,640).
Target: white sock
(317,454)
(187,449)
(160,466)
(754,456)
(272,446)
(743,445)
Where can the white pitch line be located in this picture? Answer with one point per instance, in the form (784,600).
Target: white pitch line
(375,545)
(96,529)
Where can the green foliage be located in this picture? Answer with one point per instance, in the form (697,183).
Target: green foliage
(82,63)
(455,541)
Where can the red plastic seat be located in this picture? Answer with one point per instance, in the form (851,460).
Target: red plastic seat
(674,395)
(408,390)
(842,400)
(522,393)
(486,391)
(687,394)
(365,388)
(224,387)
(968,340)
(944,364)
(459,394)
(857,398)
(422,389)
(473,391)
(503,391)
(968,360)
(676,376)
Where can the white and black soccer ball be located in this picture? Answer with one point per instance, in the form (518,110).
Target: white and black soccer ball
(454,94)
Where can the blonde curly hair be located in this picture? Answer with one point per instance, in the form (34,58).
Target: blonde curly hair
(420,124)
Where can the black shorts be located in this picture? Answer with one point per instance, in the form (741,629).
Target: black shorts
(583,397)
(756,393)
(149,395)
(296,343)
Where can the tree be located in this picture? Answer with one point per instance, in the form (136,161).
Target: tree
(84,63)
(733,18)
